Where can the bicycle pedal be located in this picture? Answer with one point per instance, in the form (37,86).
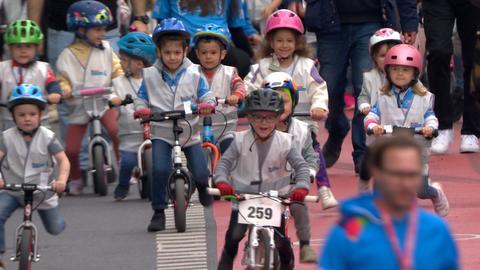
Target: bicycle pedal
(14,258)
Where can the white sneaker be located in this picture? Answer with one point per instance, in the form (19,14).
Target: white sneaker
(133,181)
(440,204)
(326,197)
(469,144)
(440,144)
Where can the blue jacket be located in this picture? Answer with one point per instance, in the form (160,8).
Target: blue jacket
(322,16)
(359,240)
(193,20)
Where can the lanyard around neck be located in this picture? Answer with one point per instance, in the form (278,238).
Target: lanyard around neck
(404,257)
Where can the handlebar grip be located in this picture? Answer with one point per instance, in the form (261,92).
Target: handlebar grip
(214,191)
(311,198)
(435,133)
(202,106)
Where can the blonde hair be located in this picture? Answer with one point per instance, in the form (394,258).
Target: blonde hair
(418,89)
(301,46)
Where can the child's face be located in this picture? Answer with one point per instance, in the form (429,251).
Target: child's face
(96,34)
(283,43)
(23,53)
(210,54)
(263,123)
(133,65)
(401,76)
(172,54)
(379,56)
(287,105)
(27,117)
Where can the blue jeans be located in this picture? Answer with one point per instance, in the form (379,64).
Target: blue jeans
(51,218)
(162,167)
(336,51)
(128,161)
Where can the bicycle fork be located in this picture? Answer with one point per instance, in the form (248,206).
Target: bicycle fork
(254,244)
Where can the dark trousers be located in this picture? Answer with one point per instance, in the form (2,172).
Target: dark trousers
(235,234)
(440,16)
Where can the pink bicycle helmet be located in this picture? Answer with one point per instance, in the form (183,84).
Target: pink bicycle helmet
(284,18)
(404,55)
(384,35)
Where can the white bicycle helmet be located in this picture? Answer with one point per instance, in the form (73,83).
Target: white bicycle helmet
(384,35)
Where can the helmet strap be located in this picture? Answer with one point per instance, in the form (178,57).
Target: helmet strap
(25,133)
(128,72)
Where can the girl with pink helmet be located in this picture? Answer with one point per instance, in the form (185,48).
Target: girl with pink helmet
(404,101)
(285,50)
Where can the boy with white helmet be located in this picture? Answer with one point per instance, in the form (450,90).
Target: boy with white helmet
(304,138)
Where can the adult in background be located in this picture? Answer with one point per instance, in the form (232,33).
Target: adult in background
(226,14)
(439,18)
(343,29)
(387,229)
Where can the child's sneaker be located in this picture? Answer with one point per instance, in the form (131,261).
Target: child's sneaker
(469,144)
(75,187)
(120,193)
(308,255)
(442,141)
(327,198)
(440,203)
(133,181)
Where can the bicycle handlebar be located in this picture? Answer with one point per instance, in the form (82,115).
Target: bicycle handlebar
(175,114)
(216,192)
(94,91)
(301,114)
(392,129)
(27,187)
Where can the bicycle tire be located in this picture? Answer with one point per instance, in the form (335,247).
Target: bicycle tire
(99,181)
(144,185)
(262,253)
(180,205)
(26,249)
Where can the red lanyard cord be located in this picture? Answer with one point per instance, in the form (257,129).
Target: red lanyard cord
(404,257)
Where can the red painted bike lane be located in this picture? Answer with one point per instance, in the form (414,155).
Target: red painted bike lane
(458,173)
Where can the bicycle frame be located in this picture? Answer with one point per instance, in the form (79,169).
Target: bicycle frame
(146,144)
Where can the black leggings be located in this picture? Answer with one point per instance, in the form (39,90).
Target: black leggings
(235,58)
(235,234)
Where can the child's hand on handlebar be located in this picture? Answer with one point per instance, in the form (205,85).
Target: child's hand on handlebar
(298,194)
(225,188)
(142,113)
(116,101)
(59,186)
(318,114)
(427,132)
(366,110)
(378,130)
(233,100)
(205,108)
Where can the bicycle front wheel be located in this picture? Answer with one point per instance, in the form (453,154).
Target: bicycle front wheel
(262,253)
(100,185)
(146,178)
(180,205)
(26,250)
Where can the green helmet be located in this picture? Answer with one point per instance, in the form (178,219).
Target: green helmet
(23,32)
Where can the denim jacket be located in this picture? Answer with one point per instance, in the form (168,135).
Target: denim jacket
(322,16)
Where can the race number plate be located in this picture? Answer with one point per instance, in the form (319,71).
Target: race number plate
(260,211)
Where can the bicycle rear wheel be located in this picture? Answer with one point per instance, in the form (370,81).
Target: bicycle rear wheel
(180,205)
(26,250)
(99,181)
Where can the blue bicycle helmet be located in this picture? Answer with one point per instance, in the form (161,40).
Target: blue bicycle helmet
(138,45)
(170,26)
(213,31)
(87,14)
(26,94)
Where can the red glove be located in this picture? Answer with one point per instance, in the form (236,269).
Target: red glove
(142,113)
(225,188)
(298,194)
